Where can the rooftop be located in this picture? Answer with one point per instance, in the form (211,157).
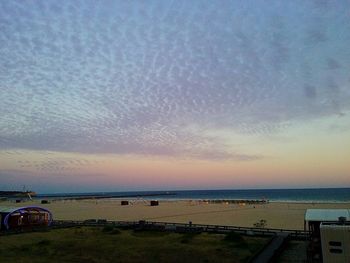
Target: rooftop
(326,214)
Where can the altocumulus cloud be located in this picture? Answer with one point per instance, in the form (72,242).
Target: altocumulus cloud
(129,78)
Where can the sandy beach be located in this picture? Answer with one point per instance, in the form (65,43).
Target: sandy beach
(277,215)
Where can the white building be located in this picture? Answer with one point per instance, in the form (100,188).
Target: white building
(329,234)
(335,240)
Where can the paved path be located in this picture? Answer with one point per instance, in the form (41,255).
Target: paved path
(268,253)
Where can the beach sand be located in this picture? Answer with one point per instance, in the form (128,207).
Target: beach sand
(277,215)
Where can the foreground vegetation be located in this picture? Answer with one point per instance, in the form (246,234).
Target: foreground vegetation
(93,244)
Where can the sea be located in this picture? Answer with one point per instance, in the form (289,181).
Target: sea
(312,195)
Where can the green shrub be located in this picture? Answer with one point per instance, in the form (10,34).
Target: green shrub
(26,248)
(116,232)
(44,242)
(233,237)
(107,228)
(187,238)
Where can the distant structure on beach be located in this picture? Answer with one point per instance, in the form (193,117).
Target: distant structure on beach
(17,194)
(12,218)
(154,203)
(329,235)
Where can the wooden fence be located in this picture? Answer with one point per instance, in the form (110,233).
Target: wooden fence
(181,227)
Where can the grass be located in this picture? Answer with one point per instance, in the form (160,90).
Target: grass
(108,244)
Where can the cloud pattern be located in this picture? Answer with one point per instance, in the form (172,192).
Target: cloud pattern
(133,77)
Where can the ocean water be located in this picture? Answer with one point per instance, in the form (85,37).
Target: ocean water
(287,195)
(273,195)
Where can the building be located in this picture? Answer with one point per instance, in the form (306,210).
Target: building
(24,217)
(323,225)
(335,240)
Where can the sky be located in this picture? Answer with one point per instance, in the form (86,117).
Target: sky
(152,95)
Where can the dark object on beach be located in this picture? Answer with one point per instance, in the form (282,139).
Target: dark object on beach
(261,224)
(45,201)
(124,202)
(18,200)
(154,203)
(101,221)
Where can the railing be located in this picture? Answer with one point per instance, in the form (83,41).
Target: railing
(293,233)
